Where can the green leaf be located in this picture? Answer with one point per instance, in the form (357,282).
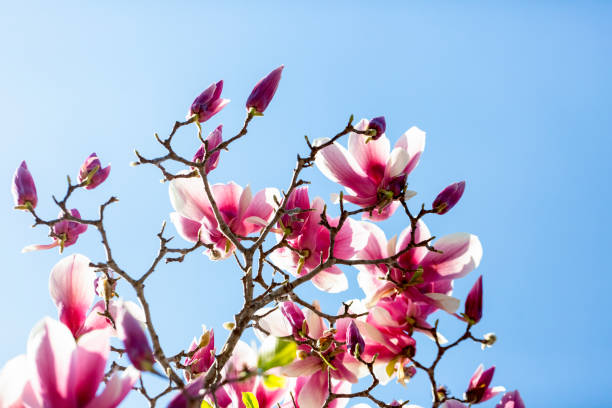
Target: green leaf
(274,382)
(249,400)
(275,352)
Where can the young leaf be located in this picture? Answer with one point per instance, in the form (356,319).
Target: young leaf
(249,400)
(275,352)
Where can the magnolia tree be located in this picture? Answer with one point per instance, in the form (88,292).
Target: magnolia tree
(279,240)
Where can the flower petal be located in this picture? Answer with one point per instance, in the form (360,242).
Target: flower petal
(71,285)
(91,354)
(117,388)
(331,280)
(461,253)
(336,163)
(370,154)
(13,379)
(314,392)
(413,141)
(187,228)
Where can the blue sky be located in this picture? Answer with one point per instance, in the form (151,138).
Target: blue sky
(514,97)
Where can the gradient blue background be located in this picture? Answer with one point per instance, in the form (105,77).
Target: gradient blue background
(515,99)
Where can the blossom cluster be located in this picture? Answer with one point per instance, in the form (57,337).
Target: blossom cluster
(307,358)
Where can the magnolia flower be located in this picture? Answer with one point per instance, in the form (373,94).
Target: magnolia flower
(478,390)
(307,392)
(195,220)
(372,176)
(92,172)
(203,354)
(208,103)
(295,317)
(310,247)
(23,188)
(66,233)
(264,91)
(425,276)
(213,140)
(61,372)
(511,399)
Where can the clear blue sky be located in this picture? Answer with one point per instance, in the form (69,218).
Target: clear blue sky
(515,99)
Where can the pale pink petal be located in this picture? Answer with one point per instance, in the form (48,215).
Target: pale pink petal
(314,392)
(336,163)
(351,239)
(262,206)
(50,351)
(461,253)
(71,285)
(372,154)
(300,368)
(331,280)
(447,303)
(274,323)
(416,255)
(381,214)
(316,327)
(13,379)
(245,199)
(227,196)
(453,404)
(189,199)
(38,247)
(95,321)
(397,162)
(187,228)
(116,389)
(413,140)
(491,392)
(92,352)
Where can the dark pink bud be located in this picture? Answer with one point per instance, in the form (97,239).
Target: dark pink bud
(379,125)
(354,341)
(478,390)
(511,399)
(203,354)
(92,172)
(448,197)
(69,231)
(213,140)
(473,303)
(264,91)
(23,188)
(208,103)
(296,318)
(135,341)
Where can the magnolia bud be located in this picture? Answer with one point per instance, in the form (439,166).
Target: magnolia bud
(264,91)
(511,399)
(479,384)
(208,103)
(378,125)
(213,140)
(23,188)
(92,172)
(473,303)
(354,341)
(296,318)
(448,197)
(135,341)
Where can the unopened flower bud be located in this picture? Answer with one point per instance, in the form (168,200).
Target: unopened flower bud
(23,188)
(135,341)
(105,287)
(208,103)
(264,91)
(448,197)
(69,231)
(213,140)
(354,340)
(229,325)
(296,318)
(378,125)
(490,339)
(92,172)
(511,399)
(473,303)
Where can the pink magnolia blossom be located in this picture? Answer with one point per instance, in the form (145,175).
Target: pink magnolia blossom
(511,399)
(311,245)
(203,354)
(92,170)
(312,367)
(23,187)
(479,390)
(427,276)
(60,372)
(307,392)
(371,174)
(208,103)
(295,317)
(243,213)
(67,232)
(264,91)
(213,140)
